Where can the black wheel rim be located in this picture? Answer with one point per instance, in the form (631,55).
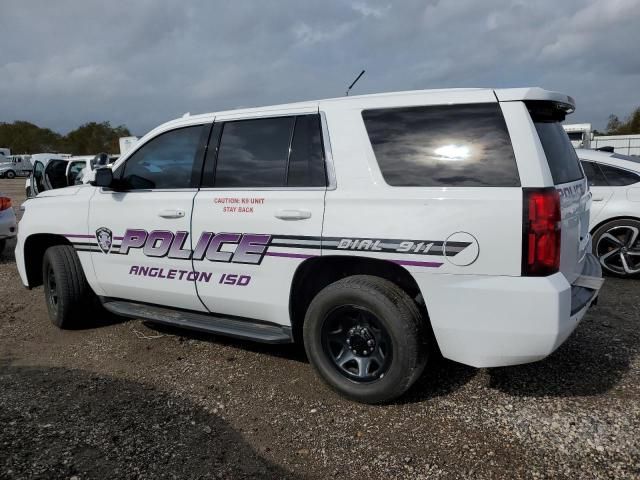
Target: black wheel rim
(52,290)
(357,343)
(619,250)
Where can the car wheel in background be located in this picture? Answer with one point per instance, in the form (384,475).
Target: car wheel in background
(3,244)
(617,246)
(68,296)
(366,338)
(10,174)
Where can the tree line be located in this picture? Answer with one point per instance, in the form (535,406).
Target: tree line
(628,126)
(90,138)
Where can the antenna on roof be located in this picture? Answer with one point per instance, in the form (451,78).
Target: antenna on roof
(354,82)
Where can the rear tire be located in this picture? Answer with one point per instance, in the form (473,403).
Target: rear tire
(366,338)
(617,246)
(68,296)
(3,244)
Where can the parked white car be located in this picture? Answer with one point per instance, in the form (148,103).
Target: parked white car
(370,228)
(8,226)
(52,172)
(614,180)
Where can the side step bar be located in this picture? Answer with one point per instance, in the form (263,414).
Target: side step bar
(244,329)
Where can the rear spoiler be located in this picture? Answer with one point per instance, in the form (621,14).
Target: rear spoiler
(537,95)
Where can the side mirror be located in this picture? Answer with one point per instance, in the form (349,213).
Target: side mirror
(103,178)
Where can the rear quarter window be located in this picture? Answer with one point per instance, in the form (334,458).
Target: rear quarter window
(618,177)
(561,156)
(442,146)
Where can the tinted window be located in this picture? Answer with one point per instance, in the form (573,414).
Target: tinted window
(561,156)
(306,160)
(594,175)
(617,177)
(55,174)
(253,153)
(165,161)
(439,146)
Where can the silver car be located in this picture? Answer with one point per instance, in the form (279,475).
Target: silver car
(8,224)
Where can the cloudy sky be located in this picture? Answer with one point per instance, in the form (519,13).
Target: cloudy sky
(63,63)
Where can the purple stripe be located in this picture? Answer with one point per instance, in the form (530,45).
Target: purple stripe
(288,255)
(414,263)
(77,235)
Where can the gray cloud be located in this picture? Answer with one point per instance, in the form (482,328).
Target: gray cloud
(141,63)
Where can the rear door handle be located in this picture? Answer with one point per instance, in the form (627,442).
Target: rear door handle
(171,213)
(293,214)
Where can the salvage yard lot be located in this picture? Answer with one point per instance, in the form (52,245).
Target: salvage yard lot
(129,399)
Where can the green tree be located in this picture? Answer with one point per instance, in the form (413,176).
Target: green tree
(25,137)
(90,138)
(630,125)
(94,138)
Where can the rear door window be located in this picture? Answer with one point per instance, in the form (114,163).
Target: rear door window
(618,177)
(306,160)
(269,153)
(443,146)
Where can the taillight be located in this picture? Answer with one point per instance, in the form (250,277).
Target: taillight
(541,232)
(5,202)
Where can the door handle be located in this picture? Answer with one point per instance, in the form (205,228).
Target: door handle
(170,213)
(293,214)
(597,199)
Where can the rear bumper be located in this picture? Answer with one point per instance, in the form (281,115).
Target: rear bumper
(486,321)
(8,226)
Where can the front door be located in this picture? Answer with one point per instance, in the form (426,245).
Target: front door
(259,213)
(142,246)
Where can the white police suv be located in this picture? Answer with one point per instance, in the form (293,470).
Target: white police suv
(376,229)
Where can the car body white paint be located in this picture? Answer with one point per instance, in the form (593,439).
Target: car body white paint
(613,202)
(483,314)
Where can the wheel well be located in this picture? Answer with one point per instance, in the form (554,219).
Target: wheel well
(34,248)
(316,273)
(613,219)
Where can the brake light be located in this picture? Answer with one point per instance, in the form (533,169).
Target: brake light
(5,202)
(541,232)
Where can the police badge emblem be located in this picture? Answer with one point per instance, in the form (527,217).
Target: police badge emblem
(104,237)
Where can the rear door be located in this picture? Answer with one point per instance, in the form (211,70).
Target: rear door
(600,190)
(259,214)
(575,198)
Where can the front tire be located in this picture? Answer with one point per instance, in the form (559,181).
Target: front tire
(68,295)
(10,174)
(617,246)
(366,338)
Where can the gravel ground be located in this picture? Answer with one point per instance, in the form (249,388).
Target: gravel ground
(127,399)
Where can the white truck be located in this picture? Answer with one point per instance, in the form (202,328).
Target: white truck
(375,229)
